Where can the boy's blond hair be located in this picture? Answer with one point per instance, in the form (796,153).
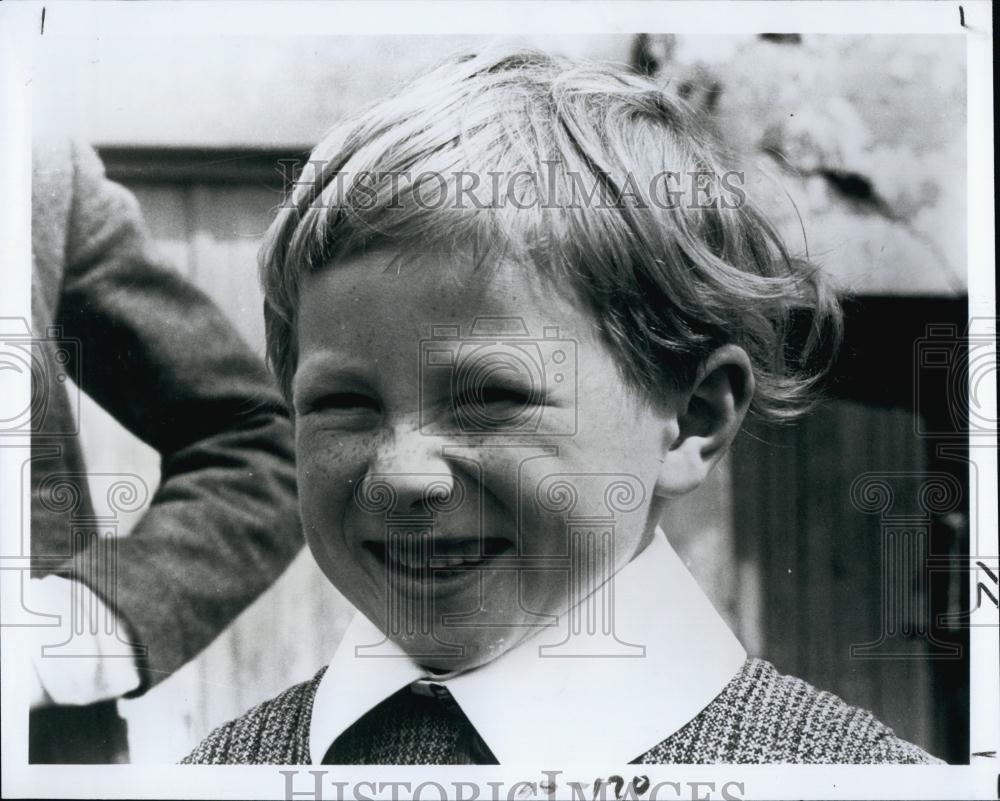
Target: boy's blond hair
(579,148)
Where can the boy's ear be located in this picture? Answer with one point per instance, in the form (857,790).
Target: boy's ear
(708,419)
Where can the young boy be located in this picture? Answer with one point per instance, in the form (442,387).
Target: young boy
(518,308)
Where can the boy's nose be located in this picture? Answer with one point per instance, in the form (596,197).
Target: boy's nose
(412,469)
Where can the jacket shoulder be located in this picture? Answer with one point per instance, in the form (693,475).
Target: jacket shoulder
(52,195)
(275,732)
(764,717)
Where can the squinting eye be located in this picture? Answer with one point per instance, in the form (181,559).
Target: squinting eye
(347,402)
(483,396)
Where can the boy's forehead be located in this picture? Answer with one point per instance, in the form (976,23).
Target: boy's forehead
(370,320)
(386,295)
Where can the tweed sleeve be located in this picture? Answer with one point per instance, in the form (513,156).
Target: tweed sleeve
(165,362)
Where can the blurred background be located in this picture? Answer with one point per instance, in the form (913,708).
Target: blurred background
(859,147)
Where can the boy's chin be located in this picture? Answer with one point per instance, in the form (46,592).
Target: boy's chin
(458,655)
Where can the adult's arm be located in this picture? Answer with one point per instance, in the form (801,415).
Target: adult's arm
(165,362)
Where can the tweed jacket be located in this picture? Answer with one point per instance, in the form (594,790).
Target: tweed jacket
(162,359)
(760,717)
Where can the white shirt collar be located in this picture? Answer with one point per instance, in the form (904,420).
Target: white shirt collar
(530,709)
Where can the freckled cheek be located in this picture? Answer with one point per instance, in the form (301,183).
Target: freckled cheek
(329,470)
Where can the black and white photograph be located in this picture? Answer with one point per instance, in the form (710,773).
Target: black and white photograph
(502,400)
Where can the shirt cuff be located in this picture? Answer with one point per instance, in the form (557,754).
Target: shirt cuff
(81,663)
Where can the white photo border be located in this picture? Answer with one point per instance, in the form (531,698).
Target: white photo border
(20,28)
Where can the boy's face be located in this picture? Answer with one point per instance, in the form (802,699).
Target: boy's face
(459,484)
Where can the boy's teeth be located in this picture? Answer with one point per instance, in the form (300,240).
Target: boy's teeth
(409,560)
(450,554)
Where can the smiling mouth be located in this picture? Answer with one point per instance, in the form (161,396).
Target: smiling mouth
(408,554)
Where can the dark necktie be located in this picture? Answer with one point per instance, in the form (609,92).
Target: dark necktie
(419,725)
